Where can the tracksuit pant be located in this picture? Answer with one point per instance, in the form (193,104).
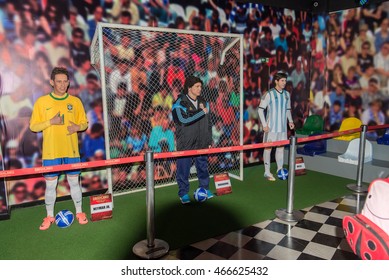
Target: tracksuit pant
(183,169)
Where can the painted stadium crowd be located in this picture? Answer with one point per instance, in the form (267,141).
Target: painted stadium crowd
(338,67)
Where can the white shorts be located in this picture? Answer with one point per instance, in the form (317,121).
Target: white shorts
(274,136)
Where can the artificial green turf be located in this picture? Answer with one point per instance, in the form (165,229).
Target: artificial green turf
(251,201)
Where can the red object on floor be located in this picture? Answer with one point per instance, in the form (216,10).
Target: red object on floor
(368,233)
(101,207)
(222,183)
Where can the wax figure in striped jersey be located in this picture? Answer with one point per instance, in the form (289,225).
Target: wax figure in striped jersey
(193,131)
(59,116)
(277,103)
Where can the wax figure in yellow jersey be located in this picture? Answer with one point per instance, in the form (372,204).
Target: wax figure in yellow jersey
(59,116)
(277,103)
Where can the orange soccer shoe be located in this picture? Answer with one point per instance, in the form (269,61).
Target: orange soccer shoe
(82,219)
(47,223)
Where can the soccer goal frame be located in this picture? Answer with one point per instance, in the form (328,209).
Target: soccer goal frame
(98,62)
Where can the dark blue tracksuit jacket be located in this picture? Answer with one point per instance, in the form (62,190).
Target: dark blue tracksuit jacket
(193,126)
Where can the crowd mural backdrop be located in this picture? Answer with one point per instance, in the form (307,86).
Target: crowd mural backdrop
(337,63)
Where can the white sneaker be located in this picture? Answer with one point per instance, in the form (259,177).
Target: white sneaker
(269,177)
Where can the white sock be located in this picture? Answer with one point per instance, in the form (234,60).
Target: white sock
(75,192)
(280,157)
(51,195)
(266,160)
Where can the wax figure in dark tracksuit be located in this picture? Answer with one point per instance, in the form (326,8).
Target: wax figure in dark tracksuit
(193,131)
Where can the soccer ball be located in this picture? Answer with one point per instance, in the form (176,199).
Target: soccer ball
(64,218)
(283,174)
(200,194)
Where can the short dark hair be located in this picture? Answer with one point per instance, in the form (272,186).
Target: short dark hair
(78,30)
(55,32)
(373,80)
(91,76)
(279,75)
(57,71)
(126,14)
(257,50)
(97,128)
(179,20)
(19,184)
(39,184)
(196,21)
(190,81)
(375,102)
(366,43)
(337,102)
(266,30)
(14,164)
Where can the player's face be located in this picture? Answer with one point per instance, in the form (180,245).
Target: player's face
(196,89)
(281,83)
(60,84)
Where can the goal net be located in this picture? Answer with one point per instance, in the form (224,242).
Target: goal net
(142,71)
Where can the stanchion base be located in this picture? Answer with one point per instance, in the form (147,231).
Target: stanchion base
(295,216)
(357,189)
(143,251)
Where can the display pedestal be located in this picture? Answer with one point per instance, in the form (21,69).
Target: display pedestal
(101,207)
(222,183)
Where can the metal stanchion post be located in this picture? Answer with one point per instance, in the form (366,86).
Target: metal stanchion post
(360,202)
(358,187)
(290,215)
(151,248)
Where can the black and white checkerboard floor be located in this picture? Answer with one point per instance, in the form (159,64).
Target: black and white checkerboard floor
(319,235)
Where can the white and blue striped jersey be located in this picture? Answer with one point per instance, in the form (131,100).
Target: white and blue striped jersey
(278,109)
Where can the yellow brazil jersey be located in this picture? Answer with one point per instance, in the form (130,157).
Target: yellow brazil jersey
(57,143)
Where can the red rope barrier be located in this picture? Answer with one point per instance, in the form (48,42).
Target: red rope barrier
(376,127)
(327,135)
(140,158)
(71,166)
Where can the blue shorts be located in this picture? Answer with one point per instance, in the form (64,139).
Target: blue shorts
(59,161)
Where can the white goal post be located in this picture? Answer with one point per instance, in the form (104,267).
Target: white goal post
(142,71)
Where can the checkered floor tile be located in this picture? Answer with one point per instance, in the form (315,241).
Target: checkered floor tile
(319,235)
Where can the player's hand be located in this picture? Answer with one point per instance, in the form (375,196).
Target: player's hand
(57,119)
(202,107)
(265,129)
(291,125)
(72,128)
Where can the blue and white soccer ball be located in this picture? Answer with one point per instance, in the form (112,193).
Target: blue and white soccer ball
(64,218)
(282,174)
(200,194)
